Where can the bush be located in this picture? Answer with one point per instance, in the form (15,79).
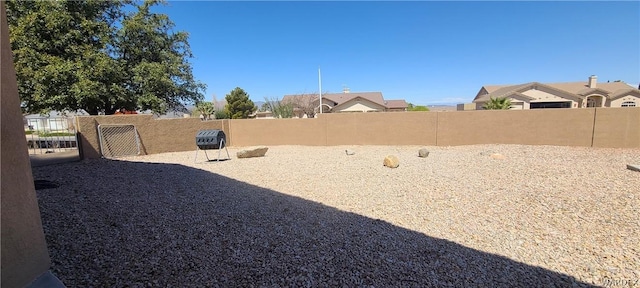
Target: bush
(221,114)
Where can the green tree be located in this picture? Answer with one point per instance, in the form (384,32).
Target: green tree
(205,109)
(265,107)
(156,60)
(279,109)
(499,103)
(221,114)
(411,107)
(93,56)
(239,106)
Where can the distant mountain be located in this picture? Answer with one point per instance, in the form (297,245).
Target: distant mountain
(436,108)
(259,103)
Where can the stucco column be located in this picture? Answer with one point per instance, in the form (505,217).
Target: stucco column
(24,250)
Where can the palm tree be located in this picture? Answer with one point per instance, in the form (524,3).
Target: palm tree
(500,103)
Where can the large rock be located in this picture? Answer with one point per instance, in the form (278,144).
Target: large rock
(252,152)
(423,153)
(391,161)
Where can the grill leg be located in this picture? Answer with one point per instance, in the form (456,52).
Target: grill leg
(221,144)
(195,160)
(225,149)
(205,154)
(220,147)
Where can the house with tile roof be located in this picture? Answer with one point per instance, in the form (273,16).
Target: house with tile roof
(349,102)
(535,95)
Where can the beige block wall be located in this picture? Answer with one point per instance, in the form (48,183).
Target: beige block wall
(564,127)
(156,135)
(398,128)
(617,127)
(253,132)
(24,250)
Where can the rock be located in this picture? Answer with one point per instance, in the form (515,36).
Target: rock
(391,161)
(349,152)
(423,152)
(487,152)
(633,167)
(252,152)
(497,156)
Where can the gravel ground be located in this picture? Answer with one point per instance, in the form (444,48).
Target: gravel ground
(543,216)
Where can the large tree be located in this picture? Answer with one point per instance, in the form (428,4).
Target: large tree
(94,56)
(306,104)
(239,106)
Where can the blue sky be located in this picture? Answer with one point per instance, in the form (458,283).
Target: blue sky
(424,52)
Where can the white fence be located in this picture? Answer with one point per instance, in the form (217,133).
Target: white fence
(50,134)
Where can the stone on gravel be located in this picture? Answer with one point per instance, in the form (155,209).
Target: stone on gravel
(487,152)
(497,156)
(423,153)
(349,152)
(633,167)
(391,161)
(252,152)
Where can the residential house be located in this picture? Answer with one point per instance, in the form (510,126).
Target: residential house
(349,102)
(54,121)
(535,95)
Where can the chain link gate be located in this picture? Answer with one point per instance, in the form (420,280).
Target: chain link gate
(118,140)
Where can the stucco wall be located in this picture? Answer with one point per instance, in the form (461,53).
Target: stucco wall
(252,132)
(398,128)
(618,102)
(359,105)
(565,127)
(24,250)
(156,135)
(617,127)
(542,96)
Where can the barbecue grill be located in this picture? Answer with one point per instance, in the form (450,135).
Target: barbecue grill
(211,140)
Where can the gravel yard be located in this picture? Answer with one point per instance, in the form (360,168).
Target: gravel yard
(313,216)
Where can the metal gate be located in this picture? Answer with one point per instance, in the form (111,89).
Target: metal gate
(118,140)
(50,134)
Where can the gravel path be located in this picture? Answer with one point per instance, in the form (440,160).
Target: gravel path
(312,216)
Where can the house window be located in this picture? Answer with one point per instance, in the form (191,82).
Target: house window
(545,105)
(628,104)
(591,102)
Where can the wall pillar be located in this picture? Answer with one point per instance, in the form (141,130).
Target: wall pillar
(24,250)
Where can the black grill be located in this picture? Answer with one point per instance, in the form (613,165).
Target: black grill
(210,139)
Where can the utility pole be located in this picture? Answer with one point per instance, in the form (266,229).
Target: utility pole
(320,88)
